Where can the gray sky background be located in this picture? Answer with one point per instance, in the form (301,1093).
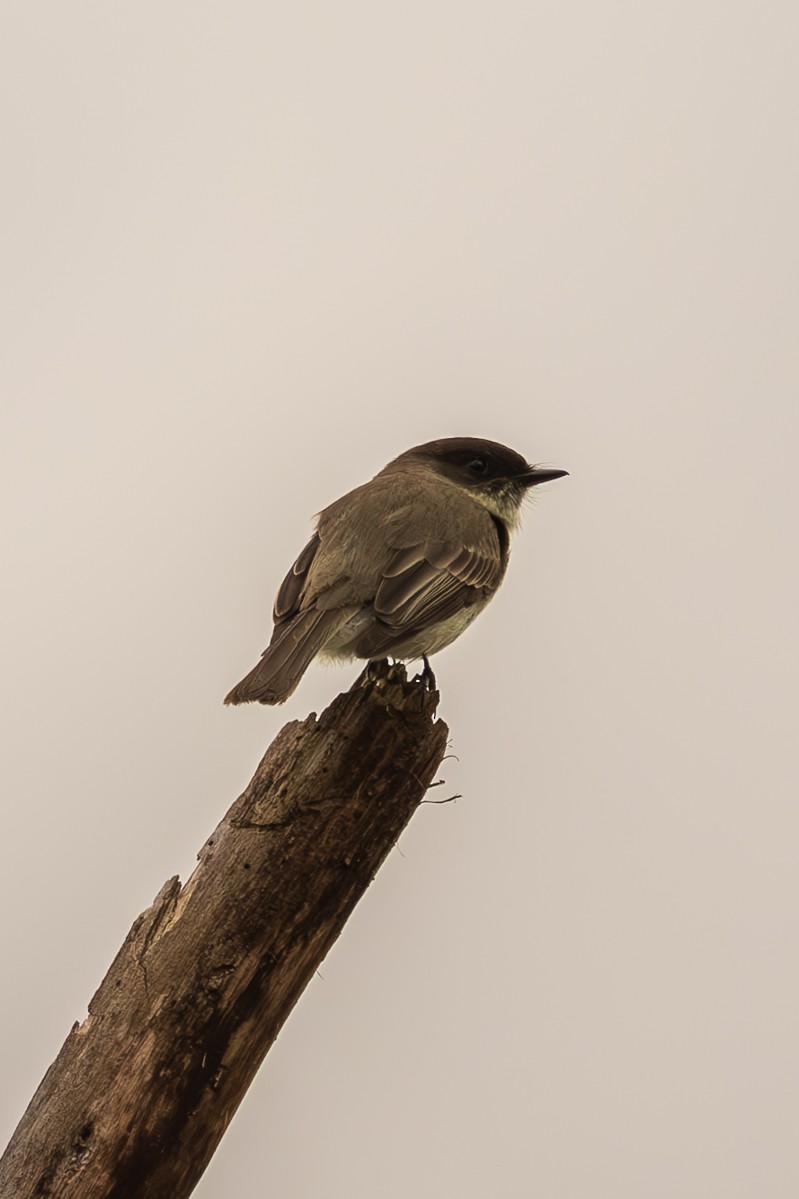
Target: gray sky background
(251,252)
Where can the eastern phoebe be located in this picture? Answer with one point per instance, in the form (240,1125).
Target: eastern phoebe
(400,566)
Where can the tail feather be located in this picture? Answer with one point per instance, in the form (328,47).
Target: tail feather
(287,658)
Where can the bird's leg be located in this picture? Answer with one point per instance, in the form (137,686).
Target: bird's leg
(376,669)
(427,676)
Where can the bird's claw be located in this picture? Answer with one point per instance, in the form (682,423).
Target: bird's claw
(427,677)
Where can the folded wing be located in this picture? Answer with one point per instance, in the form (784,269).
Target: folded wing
(427,584)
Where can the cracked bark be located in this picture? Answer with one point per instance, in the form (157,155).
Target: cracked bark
(143,1089)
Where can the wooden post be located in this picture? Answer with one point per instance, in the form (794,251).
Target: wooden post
(142,1091)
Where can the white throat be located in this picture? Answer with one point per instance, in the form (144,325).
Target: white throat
(500,505)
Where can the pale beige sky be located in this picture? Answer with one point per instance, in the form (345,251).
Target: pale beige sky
(250,253)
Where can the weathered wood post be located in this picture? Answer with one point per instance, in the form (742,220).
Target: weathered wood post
(143,1089)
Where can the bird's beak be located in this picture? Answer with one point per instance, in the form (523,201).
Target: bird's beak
(539,474)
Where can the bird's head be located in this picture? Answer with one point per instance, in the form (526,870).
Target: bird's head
(495,476)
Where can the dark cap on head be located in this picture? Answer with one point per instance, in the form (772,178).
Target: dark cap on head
(475,462)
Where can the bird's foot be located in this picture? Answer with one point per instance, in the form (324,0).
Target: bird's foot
(427,677)
(375,670)
(380,670)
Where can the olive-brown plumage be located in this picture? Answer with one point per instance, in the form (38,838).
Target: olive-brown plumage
(400,566)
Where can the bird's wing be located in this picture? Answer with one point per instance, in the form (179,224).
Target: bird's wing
(287,600)
(427,583)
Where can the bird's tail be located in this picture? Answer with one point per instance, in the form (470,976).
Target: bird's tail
(287,658)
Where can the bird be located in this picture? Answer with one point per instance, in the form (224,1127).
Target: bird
(400,566)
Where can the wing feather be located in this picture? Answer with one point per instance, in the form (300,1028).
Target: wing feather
(429,582)
(287,600)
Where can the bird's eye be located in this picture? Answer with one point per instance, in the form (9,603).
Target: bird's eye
(478,466)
